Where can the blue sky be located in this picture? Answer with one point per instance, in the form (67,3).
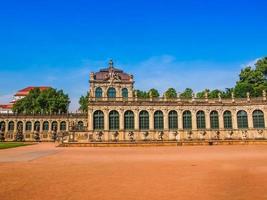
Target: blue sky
(198,44)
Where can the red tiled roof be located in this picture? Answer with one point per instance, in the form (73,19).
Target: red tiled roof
(103,74)
(6,106)
(25,91)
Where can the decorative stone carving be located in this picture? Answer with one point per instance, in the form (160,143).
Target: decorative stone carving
(131,136)
(160,135)
(99,136)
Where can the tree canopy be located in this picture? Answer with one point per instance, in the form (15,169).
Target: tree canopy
(47,101)
(84,103)
(170,93)
(187,93)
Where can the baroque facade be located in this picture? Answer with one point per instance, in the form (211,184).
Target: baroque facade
(116,113)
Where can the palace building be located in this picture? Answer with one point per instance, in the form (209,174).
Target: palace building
(115,113)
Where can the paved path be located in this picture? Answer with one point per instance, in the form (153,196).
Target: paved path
(42,172)
(27,153)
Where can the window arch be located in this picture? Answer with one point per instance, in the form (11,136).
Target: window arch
(258,119)
(214,120)
(63,126)
(129,120)
(173,120)
(201,121)
(46,126)
(98,120)
(28,126)
(242,119)
(98,92)
(111,93)
(227,120)
(20,125)
(80,125)
(143,120)
(37,126)
(11,126)
(2,125)
(158,120)
(54,126)
(124,92)
(187,120)
(113,120)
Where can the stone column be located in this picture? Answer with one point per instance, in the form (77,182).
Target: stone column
(50,126)
(151,119)
(250,119)
(106,120)
(136,120)
(6,124)
(207,119)
(221,123)
(165,119)
(121,119)
(234,119)
(194,120)
(24,126)
(32,121)
(180,119)
(15,126)
(90,120)
(41,126)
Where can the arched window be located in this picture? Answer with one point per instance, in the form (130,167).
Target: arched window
(201,122)
(28,126)
(158,120)
(11,126)
(187,120)
(227,119)
(98,120)
(214,120)
(80,125)
(98,92)
(63,126)
(37,126)
(258,119)
(2,125)
(20,125)
(143,120)
(111,92)
(113,120)
(173,120)
(54,126)
(129,120)
(124,93)
(46,126)
(242,119)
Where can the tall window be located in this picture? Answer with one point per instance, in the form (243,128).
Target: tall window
(98,120)
(98,92)
(111,92)
(124,93)
(258,119)
(2,125)
(11,126)
(46,126)
(80,125)
(113,120)
(242,119)
(227,120)
(201,122)
(20,125)
(214,120)
(143,120)
(129,120)
(187,120)
(158,120)
(54,126)
(37,125)
(28,126)
(63,126)
(173,120)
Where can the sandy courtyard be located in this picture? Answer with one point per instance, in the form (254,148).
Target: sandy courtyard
(199,172)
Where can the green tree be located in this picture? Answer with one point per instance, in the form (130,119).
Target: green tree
(46,101)
(187,93)
(171,93)
(84,103)
(141,94)
(261,65)
(153,93)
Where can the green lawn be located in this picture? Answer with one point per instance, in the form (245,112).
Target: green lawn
(6,145)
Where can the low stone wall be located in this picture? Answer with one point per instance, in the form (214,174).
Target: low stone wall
(164,143)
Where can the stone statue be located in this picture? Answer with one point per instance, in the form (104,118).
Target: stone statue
(54,133)
(145,135)
(36,135)
(115,135)
(19,136)
(2,134)
(160,135)
(131,136)
(99,136)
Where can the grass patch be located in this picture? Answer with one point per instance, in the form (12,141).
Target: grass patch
(7,145)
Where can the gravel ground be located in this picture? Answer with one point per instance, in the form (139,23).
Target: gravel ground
(193,172)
